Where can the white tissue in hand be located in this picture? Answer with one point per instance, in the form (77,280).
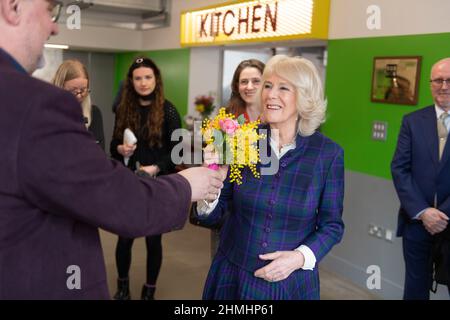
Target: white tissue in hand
(129,139)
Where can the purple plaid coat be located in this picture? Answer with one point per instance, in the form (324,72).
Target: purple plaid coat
(301,204)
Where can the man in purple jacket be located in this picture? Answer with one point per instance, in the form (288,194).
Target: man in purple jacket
(56,185)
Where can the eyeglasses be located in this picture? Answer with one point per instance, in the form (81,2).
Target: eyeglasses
(55,7)
(440,82)
(82,91)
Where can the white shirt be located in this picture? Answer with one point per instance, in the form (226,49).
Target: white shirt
(439,111)
(204,209)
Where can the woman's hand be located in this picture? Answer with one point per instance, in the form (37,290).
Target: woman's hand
(126,150)
(210,155)
(283,264)
(152,170)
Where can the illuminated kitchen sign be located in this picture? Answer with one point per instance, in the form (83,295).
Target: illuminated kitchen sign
(249,21)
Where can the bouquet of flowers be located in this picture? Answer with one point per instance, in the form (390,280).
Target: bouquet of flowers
(235,142)
(204,105)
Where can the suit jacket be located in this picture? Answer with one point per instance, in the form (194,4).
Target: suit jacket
(57,187)
(417,172)
(301,204)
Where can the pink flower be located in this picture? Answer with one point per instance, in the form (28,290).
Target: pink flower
(228,125)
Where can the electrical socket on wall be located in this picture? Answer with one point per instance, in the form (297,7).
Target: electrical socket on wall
(389,236)
(379,130)
(380,232)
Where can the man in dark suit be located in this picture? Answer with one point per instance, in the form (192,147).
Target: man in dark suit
(56,184)
(421,173)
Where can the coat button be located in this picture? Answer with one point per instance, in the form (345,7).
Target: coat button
(277,175)
(271,202)
(283,164)
(264,244)
(267,230)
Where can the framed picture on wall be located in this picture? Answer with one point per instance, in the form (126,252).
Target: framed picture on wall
(396,79)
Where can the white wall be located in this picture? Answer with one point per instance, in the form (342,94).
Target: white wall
(398,17)
(204,74)
(53,58)
(98,38)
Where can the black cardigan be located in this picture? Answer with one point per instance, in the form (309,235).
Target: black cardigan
(146,155)
(96,126)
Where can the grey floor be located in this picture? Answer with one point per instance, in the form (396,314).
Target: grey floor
(185,266)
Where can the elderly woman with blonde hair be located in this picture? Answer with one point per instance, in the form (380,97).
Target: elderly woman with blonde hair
(73,77)
(281,224)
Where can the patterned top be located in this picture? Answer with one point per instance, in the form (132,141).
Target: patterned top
(302,203)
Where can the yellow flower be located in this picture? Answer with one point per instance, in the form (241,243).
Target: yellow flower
(208,135)
(241,145)
(200,108)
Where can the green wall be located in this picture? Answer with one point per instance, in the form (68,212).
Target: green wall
(174,66)
(348,85)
